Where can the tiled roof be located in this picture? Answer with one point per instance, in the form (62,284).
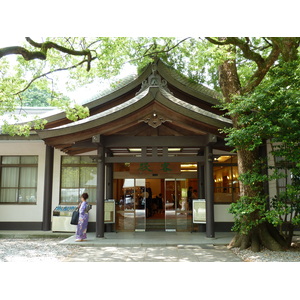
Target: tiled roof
(186,82)
(112,88)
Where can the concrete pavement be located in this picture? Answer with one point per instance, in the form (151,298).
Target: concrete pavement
(153,247)
(152,238)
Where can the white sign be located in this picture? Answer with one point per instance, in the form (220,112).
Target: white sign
(109,211)
(199,211)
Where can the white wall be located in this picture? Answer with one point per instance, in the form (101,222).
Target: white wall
(25,212)
(222,214)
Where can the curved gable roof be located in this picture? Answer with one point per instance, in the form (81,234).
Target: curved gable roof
(181,107)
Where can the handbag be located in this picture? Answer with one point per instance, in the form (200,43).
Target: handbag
(75,217)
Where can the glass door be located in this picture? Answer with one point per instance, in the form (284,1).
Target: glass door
(153,204)
(184,207)
(140,204)
(171,204)
(131,206)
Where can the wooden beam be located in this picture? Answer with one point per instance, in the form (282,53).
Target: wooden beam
(122,159)
(159,141)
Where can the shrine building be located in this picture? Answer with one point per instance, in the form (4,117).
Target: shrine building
(151,156)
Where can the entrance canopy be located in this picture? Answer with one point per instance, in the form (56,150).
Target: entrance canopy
(158,109)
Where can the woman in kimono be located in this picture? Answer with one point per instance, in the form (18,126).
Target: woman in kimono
(83,218)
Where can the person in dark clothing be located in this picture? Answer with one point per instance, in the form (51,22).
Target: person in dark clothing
(159,203)
(190,197)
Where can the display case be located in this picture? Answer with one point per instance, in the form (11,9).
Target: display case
(199,211)
(62,217)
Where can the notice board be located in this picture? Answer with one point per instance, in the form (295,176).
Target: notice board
(199,211)
(109,211)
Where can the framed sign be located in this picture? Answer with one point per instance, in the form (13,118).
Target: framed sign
(109,211)
(199,211)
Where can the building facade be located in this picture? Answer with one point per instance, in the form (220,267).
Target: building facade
(152,144)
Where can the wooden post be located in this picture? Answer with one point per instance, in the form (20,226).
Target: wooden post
(109,190)
(100,192)
(48,182)
(209,192)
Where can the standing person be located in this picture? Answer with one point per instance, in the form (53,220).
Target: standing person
(194,195)
(83,218)
(190,197)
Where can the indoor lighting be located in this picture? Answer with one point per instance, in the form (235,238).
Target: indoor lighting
(188,166)
(135,149)
(174,149)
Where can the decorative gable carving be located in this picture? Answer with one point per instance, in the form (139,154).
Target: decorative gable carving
(154,120)
(154,80)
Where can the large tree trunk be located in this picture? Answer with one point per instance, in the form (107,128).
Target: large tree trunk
(262,235)
(265,234)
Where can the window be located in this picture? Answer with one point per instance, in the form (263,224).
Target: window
(284,169)
(18,179)
(78,175)
(226,184)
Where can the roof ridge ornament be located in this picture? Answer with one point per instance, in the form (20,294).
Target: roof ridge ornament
(154,80)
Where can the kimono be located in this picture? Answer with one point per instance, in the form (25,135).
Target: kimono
(82,222)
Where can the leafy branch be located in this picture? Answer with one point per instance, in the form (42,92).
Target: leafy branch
(42,53)
(51,72)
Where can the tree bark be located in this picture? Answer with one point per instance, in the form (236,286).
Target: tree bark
(43,49)
(261,236)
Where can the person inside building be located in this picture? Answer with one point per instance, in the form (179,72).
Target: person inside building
(190,197)
(194,195)
(83,218)
(159,203)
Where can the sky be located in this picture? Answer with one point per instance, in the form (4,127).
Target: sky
(152,18)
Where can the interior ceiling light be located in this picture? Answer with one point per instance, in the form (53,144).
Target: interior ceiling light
(222,158)
(188,166)
(135,149)
(174,149)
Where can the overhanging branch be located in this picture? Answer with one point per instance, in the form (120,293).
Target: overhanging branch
(17,50)
(42,53)
(51,72)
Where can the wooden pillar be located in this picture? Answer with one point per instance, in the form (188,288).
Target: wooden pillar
(48,183)
(200,170)
(109,191)
(100,192)
(209,191)
(109,181)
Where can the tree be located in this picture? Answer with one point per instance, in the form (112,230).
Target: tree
(38,62)
(265,54)
(271,113)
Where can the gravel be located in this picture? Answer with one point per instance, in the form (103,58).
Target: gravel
(34,250)
(268,256)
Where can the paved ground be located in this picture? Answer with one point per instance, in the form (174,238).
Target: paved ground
(181,253)
(115,247)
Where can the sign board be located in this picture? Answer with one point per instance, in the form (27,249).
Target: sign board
(199,211)
(155,168)
(109,211)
